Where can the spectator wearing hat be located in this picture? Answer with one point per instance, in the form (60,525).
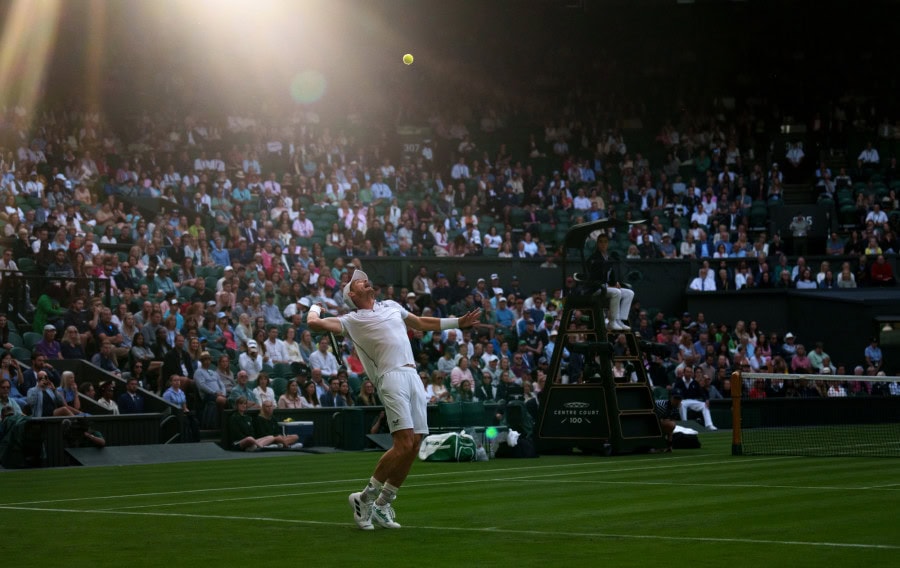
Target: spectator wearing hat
(481,289)
(107,397)
(789,347)
(48,346)
(506,318)
(410,305)
(211,387)
(252,361)
(297,308)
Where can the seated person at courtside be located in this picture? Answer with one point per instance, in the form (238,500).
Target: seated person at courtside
(602,270)
(265,425)
(241,432)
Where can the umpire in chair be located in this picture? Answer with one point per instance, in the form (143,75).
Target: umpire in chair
(603,274)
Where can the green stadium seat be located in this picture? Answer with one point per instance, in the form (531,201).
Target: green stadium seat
(26,265)
(16,340)
(282,370)
(31,339)
(355,384)
(279,386)
(21,355)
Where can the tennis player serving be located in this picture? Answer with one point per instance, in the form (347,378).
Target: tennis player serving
(378,330)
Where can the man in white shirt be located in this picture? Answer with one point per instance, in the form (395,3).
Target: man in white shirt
(324,359)
(379,333)
(581,201)
(303,227)
(7,264)
(702,283)
(868,157)
(380,190)
(427,151)
(251,361)
(530,247)
(876,215)
(795,155)
(275,348)
(34,187)
(460,170)
(272,185)
(700,216)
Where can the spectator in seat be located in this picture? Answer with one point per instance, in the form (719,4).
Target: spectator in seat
(873,355)
(882,273)
(241,390)
(48,346)
(702,282)
(106,359)
(333,398)
(800,363)
(131,401)
(324,359)
(107,392)
(190,426)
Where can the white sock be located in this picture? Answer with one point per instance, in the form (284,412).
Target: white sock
(388,494)
(370,493)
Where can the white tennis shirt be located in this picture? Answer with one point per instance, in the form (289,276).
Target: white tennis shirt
(380,337)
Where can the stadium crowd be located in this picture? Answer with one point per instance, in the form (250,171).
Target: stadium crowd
(216,233)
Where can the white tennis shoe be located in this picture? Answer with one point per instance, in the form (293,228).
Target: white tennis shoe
(362,512)
(384,516)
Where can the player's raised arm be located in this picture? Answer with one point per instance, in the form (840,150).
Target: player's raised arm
(438,324)
(316,322)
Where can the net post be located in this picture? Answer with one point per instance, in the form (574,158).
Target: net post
(736,386)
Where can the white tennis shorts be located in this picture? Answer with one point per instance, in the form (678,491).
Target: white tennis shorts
(403,396)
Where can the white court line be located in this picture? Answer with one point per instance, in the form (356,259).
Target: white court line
(892,487)
(545,478)
(888,486)
(541,533)
(411,477)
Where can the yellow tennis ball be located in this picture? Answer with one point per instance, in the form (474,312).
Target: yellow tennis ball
(408,59)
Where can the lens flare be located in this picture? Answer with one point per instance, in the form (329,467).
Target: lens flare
(308,86)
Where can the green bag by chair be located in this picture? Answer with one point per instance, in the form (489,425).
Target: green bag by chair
(453,446)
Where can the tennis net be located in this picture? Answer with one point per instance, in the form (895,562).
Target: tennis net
(815,415)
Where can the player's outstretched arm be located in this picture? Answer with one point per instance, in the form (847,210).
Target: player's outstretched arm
(316,322)
(438,324)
